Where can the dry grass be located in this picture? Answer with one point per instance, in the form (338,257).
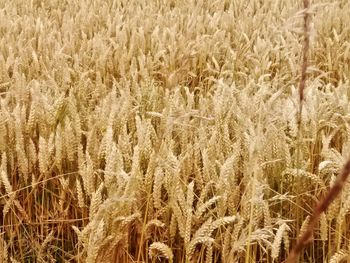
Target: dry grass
(167,131)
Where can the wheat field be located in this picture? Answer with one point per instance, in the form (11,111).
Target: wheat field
(166,130)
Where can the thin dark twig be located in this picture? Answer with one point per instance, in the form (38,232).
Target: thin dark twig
(335,190)
(304,65)
(322,206)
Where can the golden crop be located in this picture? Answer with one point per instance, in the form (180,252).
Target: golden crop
(167,131)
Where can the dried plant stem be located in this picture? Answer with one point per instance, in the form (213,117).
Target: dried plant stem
(303,76)
(305,58)
(322,206)
(302,82)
